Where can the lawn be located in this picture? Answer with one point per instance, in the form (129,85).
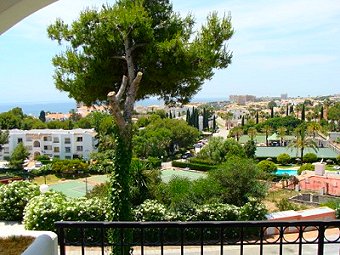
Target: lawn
(50,179)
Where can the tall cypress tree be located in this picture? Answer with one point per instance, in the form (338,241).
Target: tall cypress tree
(187,119)
(242,121)
(287,110)
(272,112)
(257,117)
(303,113)
(214,124)
(321,113)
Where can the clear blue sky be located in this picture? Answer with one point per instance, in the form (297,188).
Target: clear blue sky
(279,46)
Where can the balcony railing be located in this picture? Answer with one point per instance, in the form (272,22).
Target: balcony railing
(213,237)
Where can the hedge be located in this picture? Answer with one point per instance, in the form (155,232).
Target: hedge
(193,166)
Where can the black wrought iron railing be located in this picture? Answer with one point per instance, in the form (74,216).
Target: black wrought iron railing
(213,237)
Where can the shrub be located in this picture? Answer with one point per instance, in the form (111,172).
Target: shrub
(310,158)
(215,212)
(285,205)
(337,212)
(253,210)
(283,159)
(201,161)
(338,159)
(267,166)
(43,211)
(14,197)
(307,166)
(151,210)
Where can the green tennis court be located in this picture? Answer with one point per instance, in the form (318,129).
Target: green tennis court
(192,175)
(72,188)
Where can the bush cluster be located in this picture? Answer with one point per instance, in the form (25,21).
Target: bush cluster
(14,197)
(267,166)
(283,159)
(42,211)
(306,166)
(152,210)
(310,158)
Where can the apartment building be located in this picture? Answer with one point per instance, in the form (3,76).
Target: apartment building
(55,143)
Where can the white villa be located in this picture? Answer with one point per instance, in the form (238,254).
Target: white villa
(55,143)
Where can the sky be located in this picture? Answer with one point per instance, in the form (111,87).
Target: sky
(279,46)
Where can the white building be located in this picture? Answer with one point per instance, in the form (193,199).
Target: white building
(55,143)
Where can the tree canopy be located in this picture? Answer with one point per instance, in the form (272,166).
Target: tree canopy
(174,60)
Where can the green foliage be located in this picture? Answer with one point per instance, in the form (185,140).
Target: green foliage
(152,210)
(43,211)
(195,160)
(4,134)
(306,166)
(219,150)
(215,212)
(253,210)
(14,197)
(333,203)
(238,182)
(99,191)
(338,159)
(161,137)
(288,122)
(310,157)
(267,166)
(337,212)
(143,181)
(186,57)
(283,159)
(334,112)
(285,205)
(250,149)
(19,154)
(69,168)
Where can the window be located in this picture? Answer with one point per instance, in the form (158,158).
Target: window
(36,144)
(56,149)
(48,147)
(19,140)
(55,139)
(68,157)
(67,149)
(79,148)
(47,138)
(79,139)
(67,140)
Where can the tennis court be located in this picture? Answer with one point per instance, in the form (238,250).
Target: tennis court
(77,188)
(72,188)
(192,175)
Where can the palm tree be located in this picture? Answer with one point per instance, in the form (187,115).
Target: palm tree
(252,133)
(282,133)
(313,128)
(268,130)
(302,141)
(237,132)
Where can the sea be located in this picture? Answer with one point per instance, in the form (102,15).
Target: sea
(34,108)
